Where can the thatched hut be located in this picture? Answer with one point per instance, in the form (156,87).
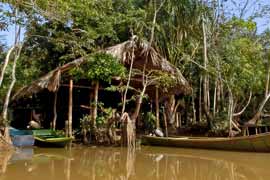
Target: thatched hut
(144,57)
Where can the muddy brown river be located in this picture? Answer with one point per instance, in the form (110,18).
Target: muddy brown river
(90,163)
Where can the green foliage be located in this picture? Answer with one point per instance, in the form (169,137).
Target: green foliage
(99,66)
(59,31)
(85,123)
(149,120)
(165,80)
(220,123)
(103,115)
(242,60)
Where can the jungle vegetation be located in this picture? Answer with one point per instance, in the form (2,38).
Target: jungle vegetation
(219,51)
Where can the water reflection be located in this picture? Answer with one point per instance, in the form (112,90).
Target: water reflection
(4,159)
(123,164)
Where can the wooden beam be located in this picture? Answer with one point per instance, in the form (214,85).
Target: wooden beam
(70,108)
(157,108)
(54,111)
(82,87)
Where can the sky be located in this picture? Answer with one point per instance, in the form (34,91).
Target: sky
(235,6)
(232,6)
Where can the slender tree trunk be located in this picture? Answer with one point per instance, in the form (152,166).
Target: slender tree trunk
(138,105)
(165,123)
(193,107)
(54,111)
(218,96)
(3,70)
(70,104)
(230,112)
(94,117)
(200,100)
(257,116)
(215,99)
(6,103)
(169,109)
(90,103)
(206,96)
(267,80)
(157,108)
(241,112)
(175,110)
(129,78)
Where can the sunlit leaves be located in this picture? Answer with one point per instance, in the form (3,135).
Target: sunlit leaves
(100,66)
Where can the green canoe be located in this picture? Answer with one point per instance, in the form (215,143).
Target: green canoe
(255,143)
(49,138)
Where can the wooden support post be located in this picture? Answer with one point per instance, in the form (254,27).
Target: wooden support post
(244,130)
(177,119)
(166,124)
(95,104)
(54,111)
(70,108)
(157,108)
(256,130)
(180,120)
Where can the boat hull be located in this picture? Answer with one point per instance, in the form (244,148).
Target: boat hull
(254,143)
(49,138)
(21,138)
(56,142)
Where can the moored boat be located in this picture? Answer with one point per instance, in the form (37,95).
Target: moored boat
(49,138)
(255,143)
(21,138)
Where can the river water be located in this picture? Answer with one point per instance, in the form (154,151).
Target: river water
(107,163)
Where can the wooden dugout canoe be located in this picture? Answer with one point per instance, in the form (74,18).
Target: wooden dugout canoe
(253,143)
(49,138)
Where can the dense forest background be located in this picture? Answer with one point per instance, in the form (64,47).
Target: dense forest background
(219,51)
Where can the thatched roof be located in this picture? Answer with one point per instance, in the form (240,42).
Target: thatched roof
(143,53)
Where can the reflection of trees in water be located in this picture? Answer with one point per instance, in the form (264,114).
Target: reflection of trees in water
(123,164)
(4,159)
(118,164)
(126,164)
(195,168)
(5,156)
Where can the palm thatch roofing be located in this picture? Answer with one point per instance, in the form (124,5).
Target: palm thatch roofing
(144,56)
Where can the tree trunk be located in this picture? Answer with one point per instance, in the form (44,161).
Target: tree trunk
(200,100)
(215,99)
(69,125)
(230,112)
(54,111)
(157,108)
(165,123)
(257,116)
(138,105)
(3,70)
(129,77)
(267,80)
(6,103)
(95,104)
(169,108)
(240,112)
(128,137)
(193,107)
(206,97)
(175,110)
